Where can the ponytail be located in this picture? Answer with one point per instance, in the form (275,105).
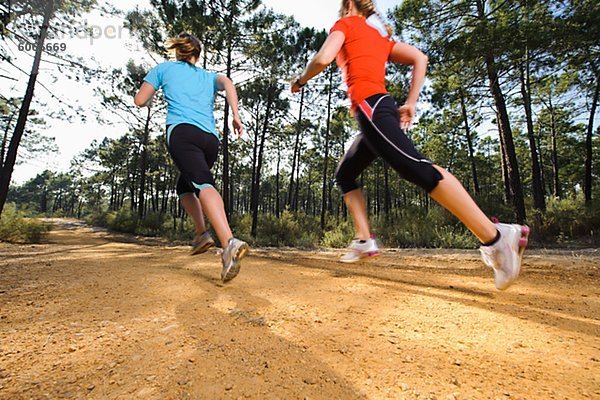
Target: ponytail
(366,8)
(388,28)
(185,46)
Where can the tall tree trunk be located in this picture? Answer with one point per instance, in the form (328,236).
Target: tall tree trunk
(587,184)
(538,191)
(509,146)
(255,153)
(326,157)
(144,167)
(539,202)
(516,187)
(44,200)
(227,200)
(296,156)
(542,171)
(463,107)
(504,169)
(387,197)
(11,156)
(277,186)
(113,193)
(256,185)
(5,140)
(555,166)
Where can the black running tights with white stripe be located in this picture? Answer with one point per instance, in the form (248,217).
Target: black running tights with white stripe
(381,135)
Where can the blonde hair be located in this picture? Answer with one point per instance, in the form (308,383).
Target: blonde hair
(366,8)
(185,46)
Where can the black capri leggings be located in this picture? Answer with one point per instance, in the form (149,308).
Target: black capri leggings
(194,151)
(382,136)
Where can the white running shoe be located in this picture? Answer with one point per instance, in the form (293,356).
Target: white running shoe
(232,255)
(361,249)
(505,256)
(202,243)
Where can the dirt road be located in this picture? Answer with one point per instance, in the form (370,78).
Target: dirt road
(97,315)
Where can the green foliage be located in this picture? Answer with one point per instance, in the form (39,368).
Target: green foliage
(294,230)
(16,228)
(412,228)
(123,220)
(281,160)
(567,221)
(100,218)
(339,235)
(153,223)
(289,230)
(455,237)
(417,228)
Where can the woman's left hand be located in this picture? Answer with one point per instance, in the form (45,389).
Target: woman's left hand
(238,127)
(407,113)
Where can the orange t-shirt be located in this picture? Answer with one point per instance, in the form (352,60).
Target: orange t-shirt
(363,57)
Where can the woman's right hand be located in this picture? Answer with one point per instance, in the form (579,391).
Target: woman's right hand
(407,113)
(295,85)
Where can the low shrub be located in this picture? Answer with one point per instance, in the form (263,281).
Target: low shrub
(339,235)
(566,221)
(16,228)
(99,218)
(293,230)
(152,224)
(124,220)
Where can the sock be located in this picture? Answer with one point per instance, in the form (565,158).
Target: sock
(493,241)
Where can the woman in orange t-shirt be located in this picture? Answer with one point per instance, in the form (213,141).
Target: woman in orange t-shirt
(362,51)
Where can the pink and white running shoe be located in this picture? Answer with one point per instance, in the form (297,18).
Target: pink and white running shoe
(360,250)
(505,256)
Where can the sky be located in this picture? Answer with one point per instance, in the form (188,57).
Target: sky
(113,47)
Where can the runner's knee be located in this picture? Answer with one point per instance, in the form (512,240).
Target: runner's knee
(424,175)
(201,181)
(345,180)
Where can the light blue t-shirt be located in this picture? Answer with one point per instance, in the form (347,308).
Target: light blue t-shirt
(190,93)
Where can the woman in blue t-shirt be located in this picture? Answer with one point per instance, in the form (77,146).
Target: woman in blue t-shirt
(193,142)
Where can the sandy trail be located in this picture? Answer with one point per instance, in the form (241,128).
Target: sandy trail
(100,315)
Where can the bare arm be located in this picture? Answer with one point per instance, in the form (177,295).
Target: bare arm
(321,60)
(224,83)
(144,96)
(403,53)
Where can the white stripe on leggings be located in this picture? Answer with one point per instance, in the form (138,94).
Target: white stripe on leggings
(388,140)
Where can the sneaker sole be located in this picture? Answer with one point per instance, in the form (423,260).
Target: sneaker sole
(202,249)
(370,255)
(235,267)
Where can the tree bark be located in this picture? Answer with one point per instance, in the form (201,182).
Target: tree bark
(538,191)
(326,157)
(512,165)
(143,167)
(296,156)
(277,186)
(463,107)
(256,185)
(5,140)
(11,156)
(555,166)
(506,131)
(225,143)
(505,176)
(587,184)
